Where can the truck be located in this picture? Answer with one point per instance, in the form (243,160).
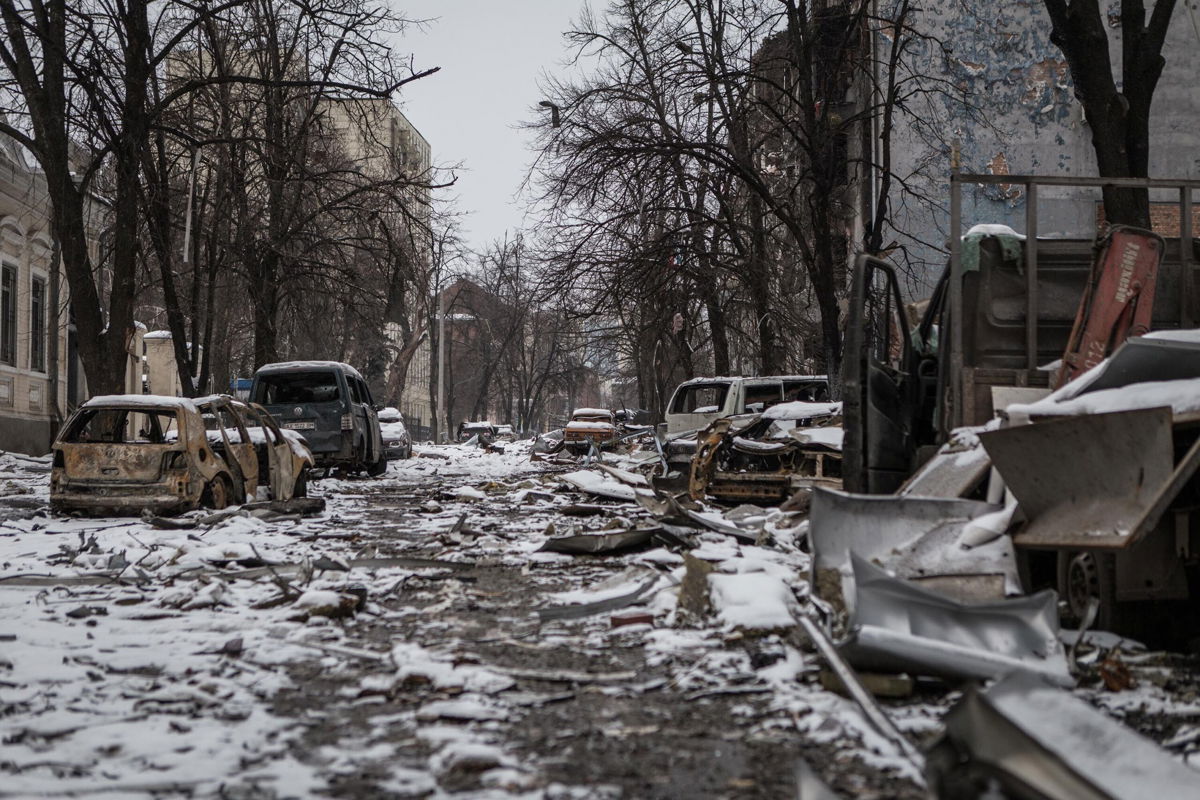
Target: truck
(994,333)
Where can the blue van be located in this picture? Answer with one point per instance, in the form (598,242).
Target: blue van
(329,403)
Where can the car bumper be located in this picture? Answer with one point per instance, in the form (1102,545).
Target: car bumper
(94,499)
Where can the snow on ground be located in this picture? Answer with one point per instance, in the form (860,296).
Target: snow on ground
(175,678)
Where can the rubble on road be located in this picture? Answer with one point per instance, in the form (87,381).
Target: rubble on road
(470,635)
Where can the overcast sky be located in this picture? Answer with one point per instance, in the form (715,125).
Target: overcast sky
(491,53)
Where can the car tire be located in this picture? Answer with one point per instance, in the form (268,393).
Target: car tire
(379,467)
(217,494)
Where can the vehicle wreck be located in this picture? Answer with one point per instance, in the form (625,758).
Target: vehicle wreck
(135,453)
(588,428)
(767,457)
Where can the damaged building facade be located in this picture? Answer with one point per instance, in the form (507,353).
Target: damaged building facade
(41,379)
(1015,112)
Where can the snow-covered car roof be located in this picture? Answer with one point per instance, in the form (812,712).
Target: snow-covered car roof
(390,414)
(591,412)
(298,366)
(141,401)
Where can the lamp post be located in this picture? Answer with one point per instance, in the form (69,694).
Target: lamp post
(444,429)
(555,113)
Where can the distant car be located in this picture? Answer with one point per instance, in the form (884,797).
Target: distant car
(505,433)
(129,453)
(329,403)
(598,425)
(397,443)
(468,429)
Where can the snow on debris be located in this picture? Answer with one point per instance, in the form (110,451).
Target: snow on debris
(752,601)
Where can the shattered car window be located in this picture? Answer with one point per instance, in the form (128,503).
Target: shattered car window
(760,397)
(700,399)
(297,387)
(123,426)
(806,391)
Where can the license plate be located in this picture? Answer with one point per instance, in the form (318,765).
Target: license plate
(300,426)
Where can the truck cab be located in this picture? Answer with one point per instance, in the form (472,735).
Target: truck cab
(699,402)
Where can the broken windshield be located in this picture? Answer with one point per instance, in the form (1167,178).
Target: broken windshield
(702,398)
(123,426)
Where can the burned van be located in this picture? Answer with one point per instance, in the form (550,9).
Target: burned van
(329,403)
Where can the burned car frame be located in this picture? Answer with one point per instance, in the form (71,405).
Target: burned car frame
(589,426)
(765,458)
(129,453)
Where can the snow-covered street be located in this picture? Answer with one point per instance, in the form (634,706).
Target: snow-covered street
(414,640)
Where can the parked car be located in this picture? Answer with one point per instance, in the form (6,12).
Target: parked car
(397,443)
(505,433)
(129,453)
(598,425)
(329,403)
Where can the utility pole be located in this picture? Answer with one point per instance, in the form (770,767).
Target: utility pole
(443,430)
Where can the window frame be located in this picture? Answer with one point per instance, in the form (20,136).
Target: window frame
(9,276)
(38,313)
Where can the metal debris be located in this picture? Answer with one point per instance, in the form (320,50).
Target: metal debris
(1041,742)
(897,626)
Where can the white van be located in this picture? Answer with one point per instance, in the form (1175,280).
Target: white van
(700,401)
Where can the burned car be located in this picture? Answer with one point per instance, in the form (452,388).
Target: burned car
(129,453)
(765,458)
(590,426)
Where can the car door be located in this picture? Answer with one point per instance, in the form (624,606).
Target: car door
(878,385)
(224,426)
(281,466)
(374,435)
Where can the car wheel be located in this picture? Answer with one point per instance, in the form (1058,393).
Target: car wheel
(379,467)
(301,487)
(217,494)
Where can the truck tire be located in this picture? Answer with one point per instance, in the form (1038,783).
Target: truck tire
(379,467)
(1083,574)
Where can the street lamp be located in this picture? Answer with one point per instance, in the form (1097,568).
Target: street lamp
(555,113)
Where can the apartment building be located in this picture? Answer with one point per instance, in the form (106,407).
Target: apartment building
(40,377)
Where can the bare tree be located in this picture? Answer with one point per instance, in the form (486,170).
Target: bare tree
(96,80)
(1118,113)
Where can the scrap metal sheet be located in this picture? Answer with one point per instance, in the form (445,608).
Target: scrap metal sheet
(1094,481)
(1042,742)
(897,626)
(913,537)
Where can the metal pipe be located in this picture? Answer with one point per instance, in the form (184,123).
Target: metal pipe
(1031,278)
(1058,180)
(444,430)
(953,418)
(1187,279)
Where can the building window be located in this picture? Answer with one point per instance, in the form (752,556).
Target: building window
(8,314)
(37,325)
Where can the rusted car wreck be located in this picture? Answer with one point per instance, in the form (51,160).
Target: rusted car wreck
(129,453)
(767,457)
